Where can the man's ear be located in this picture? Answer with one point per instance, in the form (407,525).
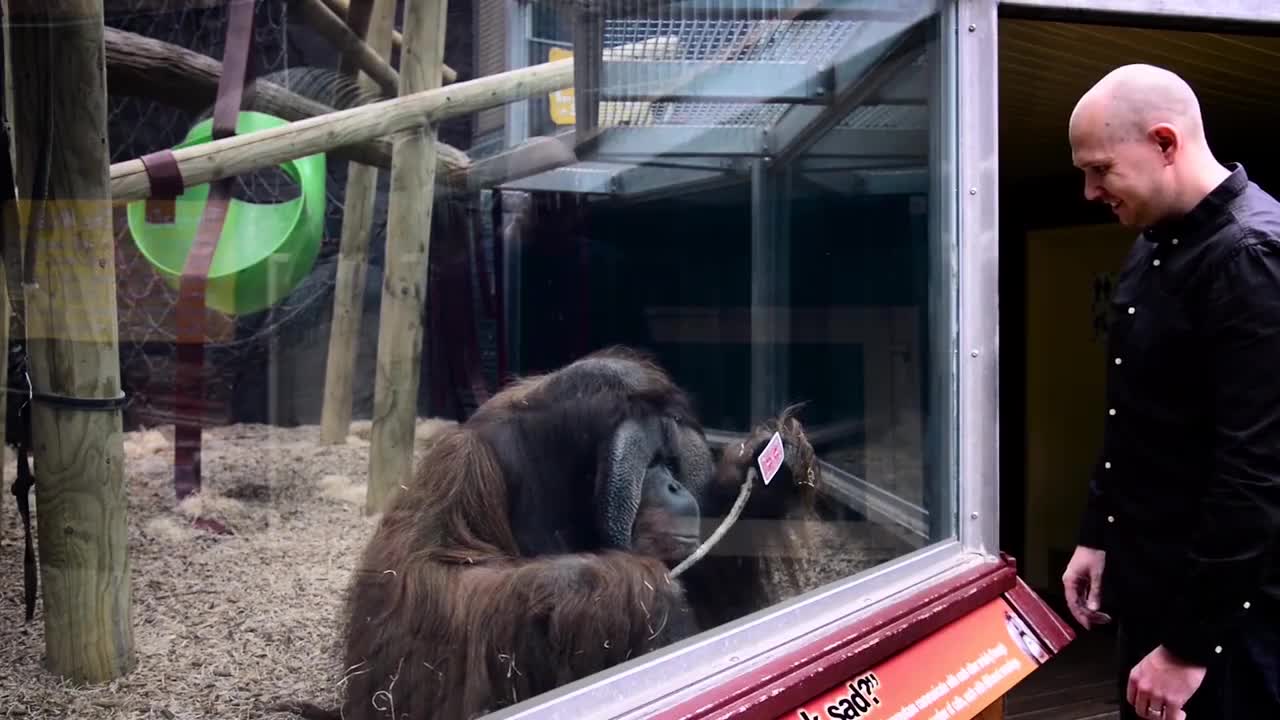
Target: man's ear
(1167,140)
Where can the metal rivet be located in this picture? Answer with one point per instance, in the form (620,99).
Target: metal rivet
(972,27)
(973,191)
(973,353)
(973,516)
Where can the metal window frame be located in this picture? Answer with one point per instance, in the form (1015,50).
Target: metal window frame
(519,28)
(1250,12)
(967,222)
(977,110)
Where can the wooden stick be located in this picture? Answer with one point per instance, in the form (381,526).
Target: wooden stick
(404,286)
(343,9)
(535,155)
(357,18)
(331,19)
(267,148)
(353,256)
(729,520)
(324,21)
(58,82)
(139,66)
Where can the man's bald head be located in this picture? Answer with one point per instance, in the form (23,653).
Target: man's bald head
(1130,100)
(1138,136)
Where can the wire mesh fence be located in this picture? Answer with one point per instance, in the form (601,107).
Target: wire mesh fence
(240,350)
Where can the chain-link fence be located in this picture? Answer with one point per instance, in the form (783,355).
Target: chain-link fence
(265,366)
(139,125)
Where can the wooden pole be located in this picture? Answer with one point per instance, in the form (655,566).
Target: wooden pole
(353,256)
(343,9)
(357,18)
(333,18)
(404,287)
(346,41)
(144,67)
(58,85)
(247,153)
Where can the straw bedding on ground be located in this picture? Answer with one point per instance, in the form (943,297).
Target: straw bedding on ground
(226,625)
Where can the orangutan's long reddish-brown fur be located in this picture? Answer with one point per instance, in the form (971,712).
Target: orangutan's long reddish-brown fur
(485,583)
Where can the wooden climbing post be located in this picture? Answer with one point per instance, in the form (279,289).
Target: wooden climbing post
(58,85)
(355,49)
(353,256)
(413,170)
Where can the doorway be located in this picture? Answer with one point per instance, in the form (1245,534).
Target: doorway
(1058,258)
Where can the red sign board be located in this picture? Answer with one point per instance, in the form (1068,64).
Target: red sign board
(953,674)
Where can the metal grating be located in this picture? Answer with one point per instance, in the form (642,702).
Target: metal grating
(718,114)
(761,41)
(727,61)
(753,115)
(887,117)
(690,114)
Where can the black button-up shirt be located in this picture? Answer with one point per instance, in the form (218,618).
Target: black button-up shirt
(1185,497)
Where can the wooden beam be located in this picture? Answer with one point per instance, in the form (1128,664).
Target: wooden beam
(343,10)
(357,18)
(404,286)
(535,155)
(58,84)
(377,18)
(335,16)
(249,152)
(139,66)
(346,41)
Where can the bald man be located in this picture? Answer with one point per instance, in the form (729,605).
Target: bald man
(1179,538)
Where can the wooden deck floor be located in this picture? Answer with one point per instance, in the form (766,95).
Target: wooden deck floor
(1078,684)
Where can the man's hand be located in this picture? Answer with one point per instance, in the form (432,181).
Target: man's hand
(1161,685)
(1083,585)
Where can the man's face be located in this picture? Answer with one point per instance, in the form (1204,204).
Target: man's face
(1127,173)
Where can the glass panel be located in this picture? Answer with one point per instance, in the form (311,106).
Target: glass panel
(394,411)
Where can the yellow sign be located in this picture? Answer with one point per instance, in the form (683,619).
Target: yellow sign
(561,100)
